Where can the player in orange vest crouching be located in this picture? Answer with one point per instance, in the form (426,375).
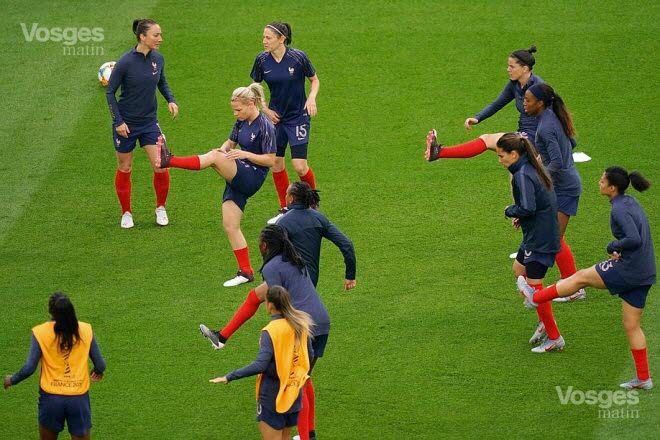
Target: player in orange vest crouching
(64,345)
(282,364)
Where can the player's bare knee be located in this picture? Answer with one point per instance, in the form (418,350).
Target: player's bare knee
(300,169)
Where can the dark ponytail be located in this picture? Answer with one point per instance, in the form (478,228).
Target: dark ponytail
(66,324)
(516,142)
(545,93)
(277,242)
(525,57)
(619,177)
(283,29)
(304,194)
(141,26)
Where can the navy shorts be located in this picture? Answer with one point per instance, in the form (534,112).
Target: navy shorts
(318,345)
(54,409)
(568,205)
(295,135)
(276,420)
(245,184)
(633,295)
(147,135)
(536,263)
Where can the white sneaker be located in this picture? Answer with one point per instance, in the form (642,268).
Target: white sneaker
(240,278)
(580,294)
(127,220)
(539,334)
(161,216)
(295,437)
(279,215)
(550,345)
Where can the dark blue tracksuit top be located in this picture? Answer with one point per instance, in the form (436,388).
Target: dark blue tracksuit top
(630,227)
(138,76)
(536,207)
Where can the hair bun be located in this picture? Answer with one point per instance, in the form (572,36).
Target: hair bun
(136,23)
(532,49)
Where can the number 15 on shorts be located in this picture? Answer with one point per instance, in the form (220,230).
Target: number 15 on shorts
(301,132)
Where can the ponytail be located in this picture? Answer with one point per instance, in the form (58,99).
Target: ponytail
(524,57)
(619,177)
(300,321)
(304,194)
(252,93)
(141,26)
(277,242)
(517,142)
(66,324)
(545,93)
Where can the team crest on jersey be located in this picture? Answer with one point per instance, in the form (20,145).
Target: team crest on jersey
(252,137)
(291,71)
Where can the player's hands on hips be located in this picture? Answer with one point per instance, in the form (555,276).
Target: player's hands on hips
(469,122)
(173,108)
(122,130)
(222,379)
(349,284)
(95,377)
(7,382)
(272,115)
(310,106)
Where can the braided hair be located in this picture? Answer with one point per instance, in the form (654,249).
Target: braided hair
(304,194)
(277,242)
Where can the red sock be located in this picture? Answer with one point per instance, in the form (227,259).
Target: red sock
(309,178)
(565,260)
(123,188)
(641,363)
(312,404)
(281,179)
(303,417)
(544,295)
(162,187)
(544,311)
(463,151)
(244,312)
(243,258)
(187,162)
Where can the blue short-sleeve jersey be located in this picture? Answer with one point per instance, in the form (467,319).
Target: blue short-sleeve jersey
(286,82)
(257,137)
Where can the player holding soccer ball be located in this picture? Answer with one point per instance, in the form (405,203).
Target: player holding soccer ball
(285,69)
(139,72)
(630,271)
(244,170)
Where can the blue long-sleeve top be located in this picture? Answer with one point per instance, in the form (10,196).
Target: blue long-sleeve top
(34,356)
(556,150)
(139,76)
(265,363)
(634,243)
(512,90)
(306,228)
(536,208)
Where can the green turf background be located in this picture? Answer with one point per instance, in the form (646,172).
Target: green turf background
(433,341)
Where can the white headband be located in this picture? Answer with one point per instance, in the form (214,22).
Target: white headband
(276,29)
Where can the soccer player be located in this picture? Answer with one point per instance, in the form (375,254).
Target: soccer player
(535,212)
(629,272)
(285,69)
(64,346)
(139,72)
(521,77)
(283,364)
(554,142)
(283,266)
(244,169)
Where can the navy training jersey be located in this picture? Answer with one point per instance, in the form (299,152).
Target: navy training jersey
(257,137)
(286,82)
(138,75)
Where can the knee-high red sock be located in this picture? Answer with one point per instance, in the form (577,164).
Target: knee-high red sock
(545,315)
(311,398)
(244,312)
(123,188)
(565,260)
(463,151)
(162,187)
(641,363)
(303,417)
(281,179)
(544,295)
(309,178)
(243,259)
(187,162)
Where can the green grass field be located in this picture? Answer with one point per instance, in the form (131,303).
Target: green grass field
(433,341)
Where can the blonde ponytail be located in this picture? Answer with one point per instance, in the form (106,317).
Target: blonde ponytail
(300,321)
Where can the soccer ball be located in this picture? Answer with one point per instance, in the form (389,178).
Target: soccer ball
(105,71)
